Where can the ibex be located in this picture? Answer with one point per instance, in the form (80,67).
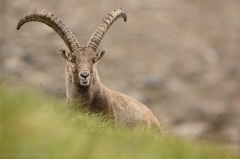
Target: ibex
(82,81)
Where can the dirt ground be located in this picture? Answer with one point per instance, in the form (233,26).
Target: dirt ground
(180,58)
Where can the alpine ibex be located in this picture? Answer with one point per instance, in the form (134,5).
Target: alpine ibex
(82,81)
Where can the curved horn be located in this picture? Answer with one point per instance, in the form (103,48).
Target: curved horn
(55,23)
(97,36)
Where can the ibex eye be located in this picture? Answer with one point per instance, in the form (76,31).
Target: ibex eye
(72,61)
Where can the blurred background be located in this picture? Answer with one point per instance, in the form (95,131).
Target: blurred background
(180,58)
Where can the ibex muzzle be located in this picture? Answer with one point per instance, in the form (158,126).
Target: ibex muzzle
(82,81)
(84,78)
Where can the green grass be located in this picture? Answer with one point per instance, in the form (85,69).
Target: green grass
(35,126)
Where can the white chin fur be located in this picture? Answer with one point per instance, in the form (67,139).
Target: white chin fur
(84,84)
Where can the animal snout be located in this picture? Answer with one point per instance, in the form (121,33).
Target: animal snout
(84,75)
(84,78)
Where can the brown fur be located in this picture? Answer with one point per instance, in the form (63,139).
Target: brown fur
(82,81)
(124,109)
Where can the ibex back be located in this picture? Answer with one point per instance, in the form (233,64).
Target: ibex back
(82,81)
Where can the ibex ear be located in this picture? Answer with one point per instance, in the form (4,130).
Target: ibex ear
(64,54)
(100,54)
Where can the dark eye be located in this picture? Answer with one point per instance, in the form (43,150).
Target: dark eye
(72,60)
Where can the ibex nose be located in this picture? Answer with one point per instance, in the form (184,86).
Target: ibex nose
(84,75)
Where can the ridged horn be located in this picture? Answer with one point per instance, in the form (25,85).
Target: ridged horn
(97,36)
(55,23)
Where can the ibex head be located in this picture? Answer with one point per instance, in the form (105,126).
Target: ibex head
(81,64)
(81,60)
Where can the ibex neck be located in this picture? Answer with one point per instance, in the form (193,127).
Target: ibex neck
(89,97)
